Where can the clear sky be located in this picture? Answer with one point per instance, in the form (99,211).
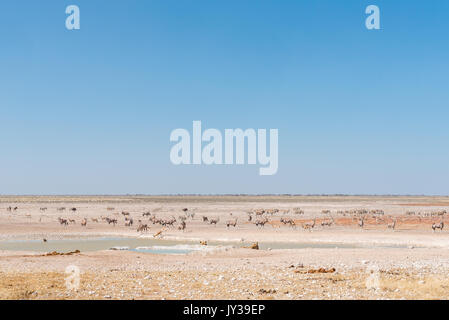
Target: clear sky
(91,111)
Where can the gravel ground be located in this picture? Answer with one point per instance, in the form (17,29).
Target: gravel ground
(410,262)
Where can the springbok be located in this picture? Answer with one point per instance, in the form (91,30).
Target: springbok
(84,222)
(309,225)
(158,234)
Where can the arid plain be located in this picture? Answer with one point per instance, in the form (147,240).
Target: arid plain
(224,247)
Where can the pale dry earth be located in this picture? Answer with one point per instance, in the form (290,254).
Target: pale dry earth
(409,262)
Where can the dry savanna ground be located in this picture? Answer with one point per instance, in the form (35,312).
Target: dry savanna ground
(310,247)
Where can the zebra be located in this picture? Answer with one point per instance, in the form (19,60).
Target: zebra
(158,234)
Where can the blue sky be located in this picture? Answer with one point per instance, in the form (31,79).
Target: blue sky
(91,111)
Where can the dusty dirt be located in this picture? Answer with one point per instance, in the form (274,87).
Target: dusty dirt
(409,262)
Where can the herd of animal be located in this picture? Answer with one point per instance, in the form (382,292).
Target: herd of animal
(257,217)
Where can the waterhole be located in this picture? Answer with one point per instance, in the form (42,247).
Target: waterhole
(157,246)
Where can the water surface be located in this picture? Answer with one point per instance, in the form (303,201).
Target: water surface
(162,246)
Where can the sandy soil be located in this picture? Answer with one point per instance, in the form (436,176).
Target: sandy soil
(410,262)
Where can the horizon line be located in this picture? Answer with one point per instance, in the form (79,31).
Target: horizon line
(226,194)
